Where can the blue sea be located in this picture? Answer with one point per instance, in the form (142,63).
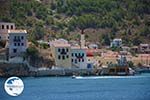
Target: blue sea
(66,88)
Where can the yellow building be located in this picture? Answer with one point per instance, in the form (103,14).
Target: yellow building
(61,54)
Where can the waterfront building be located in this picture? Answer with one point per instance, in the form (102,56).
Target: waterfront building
(144,59)
(17,43)
(78,57)
(4,27)
(144,48)
(59,41)
(61,54)
(125,48)
(93,58)
(116,43)
(121,68)
(134,49)
(93,46)
(90,63)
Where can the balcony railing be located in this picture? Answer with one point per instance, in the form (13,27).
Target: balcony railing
(17,40)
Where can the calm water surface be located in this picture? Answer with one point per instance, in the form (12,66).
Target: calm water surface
(66,88)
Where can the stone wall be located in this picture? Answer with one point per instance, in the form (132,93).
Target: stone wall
(13,69)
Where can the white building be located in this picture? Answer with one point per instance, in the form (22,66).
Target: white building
(78,58)
(67,56)
(116,43)
(93,46)
(17,43)
(144,48)
(126,48)
(4,27)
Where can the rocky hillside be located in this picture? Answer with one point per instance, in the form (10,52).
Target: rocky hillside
(100,20)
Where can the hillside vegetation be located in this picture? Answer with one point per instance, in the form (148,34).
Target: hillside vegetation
(100,20)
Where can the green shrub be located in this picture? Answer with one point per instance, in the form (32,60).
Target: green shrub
(2,43)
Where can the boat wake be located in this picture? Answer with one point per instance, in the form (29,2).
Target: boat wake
(107,77)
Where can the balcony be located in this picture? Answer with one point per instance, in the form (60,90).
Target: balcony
(17,40)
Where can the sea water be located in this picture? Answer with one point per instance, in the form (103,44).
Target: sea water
(66,88)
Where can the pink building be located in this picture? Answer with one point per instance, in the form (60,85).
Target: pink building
(4,27)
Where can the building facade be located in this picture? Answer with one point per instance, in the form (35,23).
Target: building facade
(17,43)
(4,27)
(61,54)
(116,43)
(78,58)
(144,48)
(66,56)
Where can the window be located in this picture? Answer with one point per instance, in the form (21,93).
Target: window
(67,50)
(22,37)
(15,37)
(75,54)
(7,27)
(79,55)
(72,54)
(14,44)
(83,54)
(75,60)
(11,26)
(67,56)
(14,50)
(111,70)
(82,60)
(63,50)
(22,44)
(63,57)
(18,37)
(59,57)
(79,60)
(2,26)
(72,60)
(59,50)
(18,44)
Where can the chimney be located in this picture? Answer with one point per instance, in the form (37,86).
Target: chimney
(82,41)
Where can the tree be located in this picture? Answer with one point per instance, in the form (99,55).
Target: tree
(2,43)
(136,41)
(32,54)
(145,31)
(105,39)
(130,64)
(84,22)
(49,20)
